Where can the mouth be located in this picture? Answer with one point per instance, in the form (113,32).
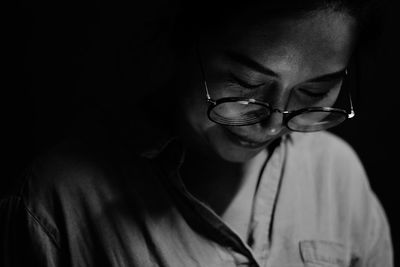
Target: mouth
(245,141)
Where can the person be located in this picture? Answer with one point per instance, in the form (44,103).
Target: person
(229,165)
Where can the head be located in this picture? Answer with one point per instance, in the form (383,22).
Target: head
(289,54)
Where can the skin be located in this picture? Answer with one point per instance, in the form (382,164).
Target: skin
(223,163)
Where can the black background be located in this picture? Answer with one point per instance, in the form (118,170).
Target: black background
(61,57)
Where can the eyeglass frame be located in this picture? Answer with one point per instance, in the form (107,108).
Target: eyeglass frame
(287,114)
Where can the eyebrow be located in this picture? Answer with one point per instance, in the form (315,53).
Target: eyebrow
(330,76)
(252,64)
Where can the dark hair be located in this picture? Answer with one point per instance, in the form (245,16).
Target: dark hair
(198,16)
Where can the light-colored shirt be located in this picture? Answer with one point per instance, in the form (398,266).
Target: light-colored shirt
(105,206)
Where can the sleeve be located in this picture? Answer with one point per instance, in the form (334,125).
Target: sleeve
(369,228)
(379,252)
(23,240)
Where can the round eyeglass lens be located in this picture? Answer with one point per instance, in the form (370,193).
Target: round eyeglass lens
(238,113)
(316,120)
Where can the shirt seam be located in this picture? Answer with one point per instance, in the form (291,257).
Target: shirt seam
(42,226)
(32,215)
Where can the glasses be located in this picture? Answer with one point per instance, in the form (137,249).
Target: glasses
(241,111)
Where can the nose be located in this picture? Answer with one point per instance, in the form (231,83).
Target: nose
(273,124)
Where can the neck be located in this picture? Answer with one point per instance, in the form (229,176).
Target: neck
(216,181)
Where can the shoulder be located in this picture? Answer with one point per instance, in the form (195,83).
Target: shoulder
(70,185)
(331,172)
(76,174)
(321,143)
(67,166)
(334,176)
(327,153)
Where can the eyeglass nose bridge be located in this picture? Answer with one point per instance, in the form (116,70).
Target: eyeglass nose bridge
(285,114)
(279,111)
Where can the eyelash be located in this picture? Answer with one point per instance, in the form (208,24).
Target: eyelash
(236,80)
(250,86)
(315,95)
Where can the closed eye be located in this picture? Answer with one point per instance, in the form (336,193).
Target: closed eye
(322,90)
(233,78)
(316,94)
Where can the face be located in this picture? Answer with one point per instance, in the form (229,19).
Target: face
(291,63)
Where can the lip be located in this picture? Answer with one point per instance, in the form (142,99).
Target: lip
(243,141)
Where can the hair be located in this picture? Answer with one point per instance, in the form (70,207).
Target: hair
(196,17)
(201,16)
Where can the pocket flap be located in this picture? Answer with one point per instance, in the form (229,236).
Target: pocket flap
(326,253)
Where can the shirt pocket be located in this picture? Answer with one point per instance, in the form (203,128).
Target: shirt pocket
(318,253)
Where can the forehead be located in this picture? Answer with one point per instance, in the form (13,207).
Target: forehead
(319,40)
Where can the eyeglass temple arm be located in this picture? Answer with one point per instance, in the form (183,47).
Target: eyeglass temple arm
(207,93)
(352,113)
(203,74)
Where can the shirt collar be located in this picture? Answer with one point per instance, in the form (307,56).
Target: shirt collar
(170,151)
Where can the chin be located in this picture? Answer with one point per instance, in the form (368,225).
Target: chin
(231,150)
(235,155)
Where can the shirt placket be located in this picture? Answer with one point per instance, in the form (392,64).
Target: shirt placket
(264,205)
(207,222)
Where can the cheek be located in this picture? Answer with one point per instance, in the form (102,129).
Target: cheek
(211,138)
(195,111)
